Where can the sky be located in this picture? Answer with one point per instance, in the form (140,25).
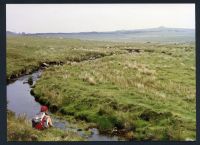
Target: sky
(42,18)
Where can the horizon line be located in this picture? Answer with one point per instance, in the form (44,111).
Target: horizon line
(164,27)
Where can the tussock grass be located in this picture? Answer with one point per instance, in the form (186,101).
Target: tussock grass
(146,94)
(26,53)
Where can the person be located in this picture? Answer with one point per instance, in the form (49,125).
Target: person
(42,120)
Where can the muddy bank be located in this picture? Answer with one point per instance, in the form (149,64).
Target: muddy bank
(42,65)
(52,108)
(29,70)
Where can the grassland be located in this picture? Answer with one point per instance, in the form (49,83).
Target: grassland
(143,91)
(25,54)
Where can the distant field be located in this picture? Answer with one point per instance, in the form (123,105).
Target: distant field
(158,35)
(145,91)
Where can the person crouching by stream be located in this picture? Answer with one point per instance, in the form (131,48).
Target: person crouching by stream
(42,120)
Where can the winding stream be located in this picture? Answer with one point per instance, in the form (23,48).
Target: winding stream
(21,101)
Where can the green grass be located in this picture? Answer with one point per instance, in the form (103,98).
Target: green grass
(148,95)
(25,54)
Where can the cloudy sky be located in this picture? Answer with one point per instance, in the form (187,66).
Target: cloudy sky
(34,18)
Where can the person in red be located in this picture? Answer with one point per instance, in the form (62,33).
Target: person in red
(42,120)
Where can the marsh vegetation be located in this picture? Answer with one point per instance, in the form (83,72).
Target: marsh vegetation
(141,91)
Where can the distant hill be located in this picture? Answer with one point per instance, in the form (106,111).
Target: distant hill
(159,34)
(9,33)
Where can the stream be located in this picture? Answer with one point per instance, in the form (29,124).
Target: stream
(22,102)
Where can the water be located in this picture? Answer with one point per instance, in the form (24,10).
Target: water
(21,101)
(19,98)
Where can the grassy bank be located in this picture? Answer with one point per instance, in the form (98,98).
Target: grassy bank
(26,54)
(147,95)
(20,129)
